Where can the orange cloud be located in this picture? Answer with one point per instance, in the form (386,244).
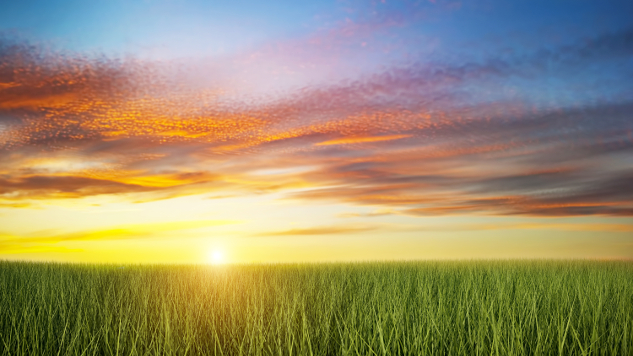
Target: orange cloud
(123,127)
(33,103)
(352,140)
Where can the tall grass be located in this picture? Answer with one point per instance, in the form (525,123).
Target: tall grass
(403,308)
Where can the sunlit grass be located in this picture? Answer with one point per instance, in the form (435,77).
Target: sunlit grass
(404,308)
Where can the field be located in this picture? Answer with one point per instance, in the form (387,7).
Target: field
(393,308)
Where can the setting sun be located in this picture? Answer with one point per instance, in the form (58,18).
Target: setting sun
(216,257)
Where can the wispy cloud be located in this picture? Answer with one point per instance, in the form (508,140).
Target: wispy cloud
(352,140)
(381,212)
(319,230)
(53,242)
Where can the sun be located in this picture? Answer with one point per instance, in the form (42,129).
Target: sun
(216,257)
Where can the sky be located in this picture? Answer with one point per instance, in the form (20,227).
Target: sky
(172,131)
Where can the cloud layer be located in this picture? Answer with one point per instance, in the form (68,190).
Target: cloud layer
(544,132)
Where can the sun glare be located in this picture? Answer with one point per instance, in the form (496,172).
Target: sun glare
(216,257)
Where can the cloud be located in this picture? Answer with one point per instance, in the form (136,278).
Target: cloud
(426,137)
(353,140)
(51,186)
(381,212)
(323,230)
(47,242)
(561,227)
(133,231)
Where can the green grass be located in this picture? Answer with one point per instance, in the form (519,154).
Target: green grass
(404,308)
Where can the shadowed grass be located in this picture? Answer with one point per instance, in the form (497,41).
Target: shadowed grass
(394,308)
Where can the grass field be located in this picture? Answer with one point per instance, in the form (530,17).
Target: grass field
(399,308)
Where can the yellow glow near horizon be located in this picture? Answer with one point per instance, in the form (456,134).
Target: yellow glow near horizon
(216,257)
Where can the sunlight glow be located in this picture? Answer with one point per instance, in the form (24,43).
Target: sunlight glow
(216,257)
